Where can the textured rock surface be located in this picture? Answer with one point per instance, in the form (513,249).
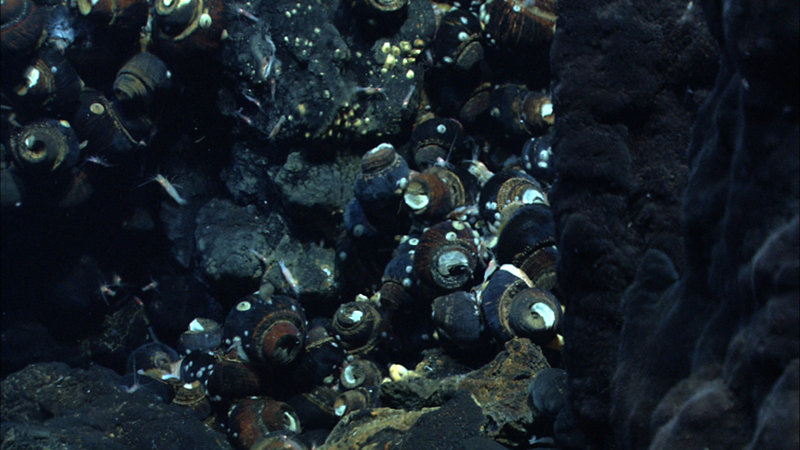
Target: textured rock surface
(701,329)
(50,405)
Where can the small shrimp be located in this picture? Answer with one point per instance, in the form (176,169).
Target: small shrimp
(164,182)
(244,118)
(100,161)
(407,99)
(369,90)
(151,286)
(106,291)
(245,13)
(289,278)
(277,127)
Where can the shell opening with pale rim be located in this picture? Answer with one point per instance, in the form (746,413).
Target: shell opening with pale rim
(547,313)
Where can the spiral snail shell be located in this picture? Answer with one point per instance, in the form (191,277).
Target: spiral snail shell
(446,258)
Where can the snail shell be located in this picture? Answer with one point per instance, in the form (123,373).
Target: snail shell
(355,399)
(382,15)
(153,355)
(193,397)
(518,24)
(315,408)
(187,29)
(203,335)
(358,325)
(458,40)
(446,258)
(232,377)
(384,174)
(360,372)
(495,300)
(536,314)
(251,418)
(476,103)
(271,332)
(97,121)
(282,440)
(139,79)
(537,155)
(22,29)
(527,240)
(127,14)
(196,366)
(50,82)
(322,355)
(356,222)
(503,189)
(428,197)
(457,319)
(436,139)
(520,112)
(45,147)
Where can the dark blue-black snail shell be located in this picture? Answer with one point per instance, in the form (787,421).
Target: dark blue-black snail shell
(495,299)
(383,176)
(202,335)
(45,147)
(436,139)
(527,240)
(153,355)
(457,319)
(358,326)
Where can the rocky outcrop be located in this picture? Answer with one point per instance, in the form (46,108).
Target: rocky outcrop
(678,267)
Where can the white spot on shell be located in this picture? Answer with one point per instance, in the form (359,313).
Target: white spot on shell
(441,128)
(243,306)
(356,316)
(196,326)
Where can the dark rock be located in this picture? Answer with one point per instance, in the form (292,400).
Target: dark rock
(459,419)
(549,391)
(50,405)
(701,336)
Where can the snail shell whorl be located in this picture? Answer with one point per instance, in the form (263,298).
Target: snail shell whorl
(446,257)
(495,300)
(535,314)
(358,325)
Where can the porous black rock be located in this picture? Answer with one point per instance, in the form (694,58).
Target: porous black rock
(50,405)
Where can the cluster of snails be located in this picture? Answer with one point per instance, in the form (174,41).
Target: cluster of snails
(64,130)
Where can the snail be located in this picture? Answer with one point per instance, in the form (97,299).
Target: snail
(251,418)
(446,258)
(270,331)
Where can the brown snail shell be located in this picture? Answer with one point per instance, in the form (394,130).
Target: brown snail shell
(98,121)
(458,40)
(360,372)
(186,29)
(428,196)
(233,377)
(446,258)
(536,314)
(50,82)
(520,112)
(435,139)
(358,326)
(519,24)
(355,399)
(140,78)
(44,147)
(22,29)
(192,396)
(527,240)
(251,418)
(495,299)
(271,332)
